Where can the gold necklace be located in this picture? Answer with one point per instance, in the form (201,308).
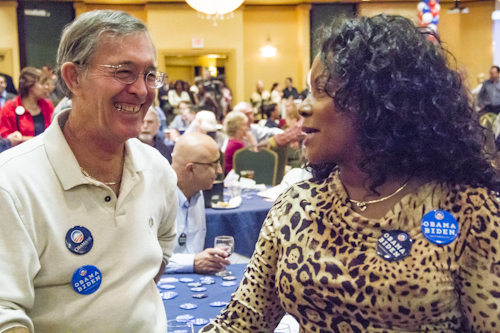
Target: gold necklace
(362,204)
(86,174)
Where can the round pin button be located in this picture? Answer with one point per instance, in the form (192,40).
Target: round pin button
(394,245)
(440,227)
(20,110)
(79,240)
(86,280)
(182,239)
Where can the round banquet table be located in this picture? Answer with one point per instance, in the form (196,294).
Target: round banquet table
(243,223)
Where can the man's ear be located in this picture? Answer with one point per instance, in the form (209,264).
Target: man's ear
(71,76)
(189,167)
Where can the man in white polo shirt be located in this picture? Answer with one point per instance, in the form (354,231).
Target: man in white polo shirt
(88,211)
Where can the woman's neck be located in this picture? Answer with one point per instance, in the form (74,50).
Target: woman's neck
(31,105)
(357,183)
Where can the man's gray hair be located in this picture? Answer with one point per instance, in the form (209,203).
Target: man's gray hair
(152,108)
(80,38)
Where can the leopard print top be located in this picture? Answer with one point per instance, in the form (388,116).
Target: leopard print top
(316,259)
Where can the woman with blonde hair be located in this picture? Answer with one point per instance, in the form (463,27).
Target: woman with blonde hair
(236,128)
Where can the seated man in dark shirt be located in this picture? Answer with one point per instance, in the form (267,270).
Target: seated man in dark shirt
(150,126)
(290,90)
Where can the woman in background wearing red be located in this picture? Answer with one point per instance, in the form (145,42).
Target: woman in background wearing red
(30,113)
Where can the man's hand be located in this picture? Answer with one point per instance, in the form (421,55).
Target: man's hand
(210,260)
(160,272)
(15,138)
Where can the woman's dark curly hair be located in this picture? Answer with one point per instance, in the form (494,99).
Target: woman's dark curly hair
(410,110)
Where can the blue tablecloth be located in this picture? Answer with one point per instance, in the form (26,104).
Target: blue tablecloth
(243,223)
(215,292)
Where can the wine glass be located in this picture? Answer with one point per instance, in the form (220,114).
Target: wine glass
(173,326)
(282,328)
(226,243)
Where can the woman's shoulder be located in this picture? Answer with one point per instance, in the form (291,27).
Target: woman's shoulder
(9,107)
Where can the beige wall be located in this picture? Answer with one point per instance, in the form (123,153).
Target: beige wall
(280,24)
(9,46)
(467,36)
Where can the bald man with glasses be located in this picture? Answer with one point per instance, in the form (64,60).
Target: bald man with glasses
(195,160)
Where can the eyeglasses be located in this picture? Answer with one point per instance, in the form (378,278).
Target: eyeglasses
(214,164)
(128,74)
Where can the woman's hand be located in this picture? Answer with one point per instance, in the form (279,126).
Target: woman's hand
(15,138)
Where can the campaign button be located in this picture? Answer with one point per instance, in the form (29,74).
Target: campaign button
(184,318)
(186,280)
(218,303)
(199,289)
(168,280)
(228,283)
(200,295)
(182,239)
(166,286)
(199,321)
(229,278)
(79,240)
(86,279)
(394,245)
(194,284)
(188,306)
(169,295)
(207,280)
(20,110)
(440,227)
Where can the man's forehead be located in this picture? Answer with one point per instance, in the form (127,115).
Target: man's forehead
(109,41)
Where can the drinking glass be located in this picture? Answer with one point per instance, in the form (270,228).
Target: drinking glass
(226,243)
(235,190)
(247,174)
(282,328)
(175,327)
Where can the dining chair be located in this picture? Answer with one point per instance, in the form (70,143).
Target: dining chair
(282,152)
(264,163)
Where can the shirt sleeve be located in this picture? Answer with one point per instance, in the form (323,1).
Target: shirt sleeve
(181,263)
(166,231)
(19,265)
(249,311)
(264,133)
(4,144)
(481,97)
(479,261)
(7,119)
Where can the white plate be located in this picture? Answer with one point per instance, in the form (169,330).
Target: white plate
(217,206)
(233,203)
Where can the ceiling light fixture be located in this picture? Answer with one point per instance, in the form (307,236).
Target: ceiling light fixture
(215,9)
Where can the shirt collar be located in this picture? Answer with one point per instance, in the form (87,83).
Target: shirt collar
(184,202)
(4,94)
(64,161)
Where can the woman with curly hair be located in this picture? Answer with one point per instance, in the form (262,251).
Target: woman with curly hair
(398,231)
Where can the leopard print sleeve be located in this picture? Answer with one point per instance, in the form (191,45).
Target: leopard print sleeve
(255,306)
(478,255)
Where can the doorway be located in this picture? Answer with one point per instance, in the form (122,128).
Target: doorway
(188,63)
